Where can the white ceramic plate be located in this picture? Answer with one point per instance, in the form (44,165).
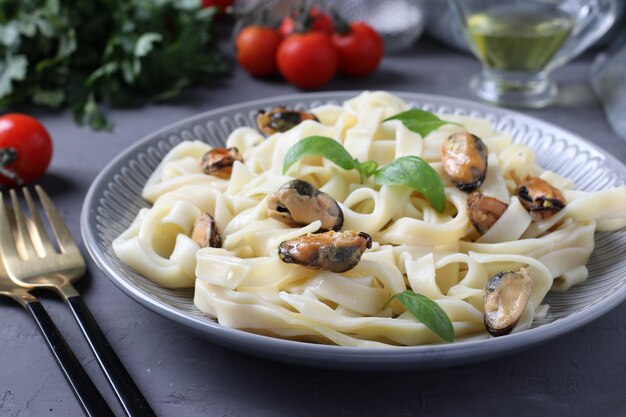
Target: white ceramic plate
(115,198)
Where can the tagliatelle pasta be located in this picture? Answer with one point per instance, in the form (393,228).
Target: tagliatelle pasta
(245,285)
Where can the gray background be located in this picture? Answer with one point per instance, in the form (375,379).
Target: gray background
(580,374)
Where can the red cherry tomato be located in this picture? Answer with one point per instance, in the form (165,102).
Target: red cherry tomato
(360,50)
(256,50)
(287,27)
(25,147)
(307,60)
(220,4)
(321,22)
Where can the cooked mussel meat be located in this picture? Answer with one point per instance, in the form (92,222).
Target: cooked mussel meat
(331,251)
(298,203)
(205,232)
(484,211)
(540,198)
(281,119)
(219,161)
(464,159)
(505,299)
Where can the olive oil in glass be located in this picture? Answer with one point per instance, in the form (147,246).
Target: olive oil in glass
(519,38)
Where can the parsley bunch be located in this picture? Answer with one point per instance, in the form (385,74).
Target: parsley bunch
(81,53)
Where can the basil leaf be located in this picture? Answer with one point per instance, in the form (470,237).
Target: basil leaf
(319,146)
(417,174)
(426,311)
(366,169)
(420,121)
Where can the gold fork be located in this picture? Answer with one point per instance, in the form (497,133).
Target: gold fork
(32,261)
(86,392)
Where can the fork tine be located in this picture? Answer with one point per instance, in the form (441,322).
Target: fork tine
(61,232)
(22,230)
(38,228)
(9,249)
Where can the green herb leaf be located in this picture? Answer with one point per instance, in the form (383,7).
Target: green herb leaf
(319,146)
(330,149)
(50,98)
(9,34)
(145,43)
(426,311)
(420,121)
(90,114)
(94,55)
(417,174)
(13,68)
(366,169)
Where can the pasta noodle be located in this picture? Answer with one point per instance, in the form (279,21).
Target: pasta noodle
(245,285)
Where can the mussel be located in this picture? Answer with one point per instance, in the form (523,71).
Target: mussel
(331,251)
(505,299)
(464,159)
(298,203)
(205,232)
(281,119)
(484,211)
(540,198)
(219,161)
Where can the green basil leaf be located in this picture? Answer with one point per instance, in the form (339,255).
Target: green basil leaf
(420,121)
(319,146)
(428,312)
(366,169)
(417,174)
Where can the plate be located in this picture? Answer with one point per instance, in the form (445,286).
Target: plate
(114,199)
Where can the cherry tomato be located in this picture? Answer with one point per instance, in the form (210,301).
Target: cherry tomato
(360,50)
(256,49)
(25,148)
(307,60)
(220,4)
(321,22)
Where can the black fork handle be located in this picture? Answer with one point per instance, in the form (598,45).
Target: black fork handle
(86,392)
(132,400)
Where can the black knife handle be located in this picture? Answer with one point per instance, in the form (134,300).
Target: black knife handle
(86,392)
(132,400)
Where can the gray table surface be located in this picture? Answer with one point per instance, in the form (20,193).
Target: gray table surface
(580,374)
